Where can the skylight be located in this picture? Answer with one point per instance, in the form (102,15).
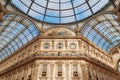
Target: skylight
(104,31)
(15,31)
(59,11)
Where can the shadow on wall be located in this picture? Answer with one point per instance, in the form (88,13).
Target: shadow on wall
(116,58)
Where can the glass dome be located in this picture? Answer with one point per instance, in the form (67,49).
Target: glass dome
(59,11)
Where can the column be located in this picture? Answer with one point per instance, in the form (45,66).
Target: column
(98,72)
(26,73)
(15,75)
(32,72)
(36,70)
(94,74)
(20,75)
(23,74)
(67,71)
(51,67)
(84,71)
(40,71)
(29,73)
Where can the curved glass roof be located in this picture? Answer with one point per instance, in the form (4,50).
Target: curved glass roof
(104,31)
(59,11)
(15,31)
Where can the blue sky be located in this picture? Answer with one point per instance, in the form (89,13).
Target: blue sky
(65,9)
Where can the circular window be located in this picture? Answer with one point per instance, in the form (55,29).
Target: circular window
(59,11)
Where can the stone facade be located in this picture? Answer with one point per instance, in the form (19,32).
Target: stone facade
(59,58)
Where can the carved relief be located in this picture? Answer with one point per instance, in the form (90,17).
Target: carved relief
(60,31)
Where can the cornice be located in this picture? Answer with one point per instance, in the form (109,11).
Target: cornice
(35,57)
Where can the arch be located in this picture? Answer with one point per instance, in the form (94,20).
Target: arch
(103,30)
(16,30)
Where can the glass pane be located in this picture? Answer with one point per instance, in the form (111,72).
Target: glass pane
(16,34)
(39,9)
(103,31)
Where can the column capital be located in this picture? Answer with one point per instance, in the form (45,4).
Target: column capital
(66,64)
(36,63)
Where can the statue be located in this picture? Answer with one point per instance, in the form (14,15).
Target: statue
(116,11)
(3,11)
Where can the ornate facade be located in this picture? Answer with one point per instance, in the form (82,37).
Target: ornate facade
(59,57)
(59,40)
